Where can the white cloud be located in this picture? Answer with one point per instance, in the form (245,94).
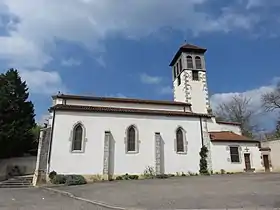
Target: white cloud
(255,101)
(254,3)
(43,82)
(31,39)
(70,62)
(88,23)
(148,79)
(166,90)
(117,95)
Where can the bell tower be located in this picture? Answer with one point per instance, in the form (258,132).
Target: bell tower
(189,78)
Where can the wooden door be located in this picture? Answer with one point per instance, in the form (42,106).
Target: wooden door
(247,162)
(266,163)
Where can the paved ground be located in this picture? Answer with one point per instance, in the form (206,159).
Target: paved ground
(33,198)
(216,192)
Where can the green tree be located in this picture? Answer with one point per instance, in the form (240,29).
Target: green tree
(203,161)
(16,116)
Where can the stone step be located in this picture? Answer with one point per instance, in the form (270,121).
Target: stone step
(16,186)
(18,182)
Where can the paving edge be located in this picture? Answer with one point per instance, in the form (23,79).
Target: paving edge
(61,192)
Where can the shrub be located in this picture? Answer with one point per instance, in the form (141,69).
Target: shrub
(58,179)
(217,172)
(126,176)
(171,175)
(196,174)
(162,176)
(191,173)
(149,172)
(119,178)
(52,175)
(183,174)
(203,160)
(133,176)
(75,180)
(223,171)
(96,178)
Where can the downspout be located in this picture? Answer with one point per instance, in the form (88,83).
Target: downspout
(201,132)
(50,144)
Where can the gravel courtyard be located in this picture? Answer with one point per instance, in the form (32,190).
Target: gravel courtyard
(215,192)
(33,198)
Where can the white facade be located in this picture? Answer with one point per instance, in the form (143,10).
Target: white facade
(186,88)
(222,160)
(274,154)
(91,160)
(105,124)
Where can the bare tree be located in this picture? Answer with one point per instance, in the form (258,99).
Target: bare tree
(238,109)
(271,101)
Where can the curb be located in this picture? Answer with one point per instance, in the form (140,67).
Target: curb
(64,193)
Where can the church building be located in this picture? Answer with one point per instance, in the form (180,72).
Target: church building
(90,135)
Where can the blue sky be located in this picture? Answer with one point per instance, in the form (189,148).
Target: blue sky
(123,48)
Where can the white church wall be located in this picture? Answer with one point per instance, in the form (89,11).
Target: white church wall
(221,156)
(214,126)
(180,90)
(91,161)
(198,95)
(126,105)
(274,145)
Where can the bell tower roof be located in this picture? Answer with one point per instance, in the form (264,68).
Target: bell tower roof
(187,48)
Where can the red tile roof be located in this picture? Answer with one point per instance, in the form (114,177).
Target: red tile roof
(121,100)
(228,123)
(187,48)
(126,110)
(229,136)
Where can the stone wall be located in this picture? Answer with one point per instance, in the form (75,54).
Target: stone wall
(26,166)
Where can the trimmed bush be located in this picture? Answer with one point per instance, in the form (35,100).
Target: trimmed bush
(119,178)
(162,176)
(223,171)
(52,175)
(58,179)
(133,176)
(75,180)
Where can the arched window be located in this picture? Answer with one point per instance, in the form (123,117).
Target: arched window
(131,139)
(180,147)
(190,62)
(77,138)
(198,62)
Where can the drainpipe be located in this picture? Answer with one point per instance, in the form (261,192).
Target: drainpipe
(201,132)
(50,144)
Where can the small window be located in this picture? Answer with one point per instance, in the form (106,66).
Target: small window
(180,140)
(131,139)
(178,70)
(77,138)
(190,62)
(234,154)
(195,75)
(180,65)
(179,80)
(198,62)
